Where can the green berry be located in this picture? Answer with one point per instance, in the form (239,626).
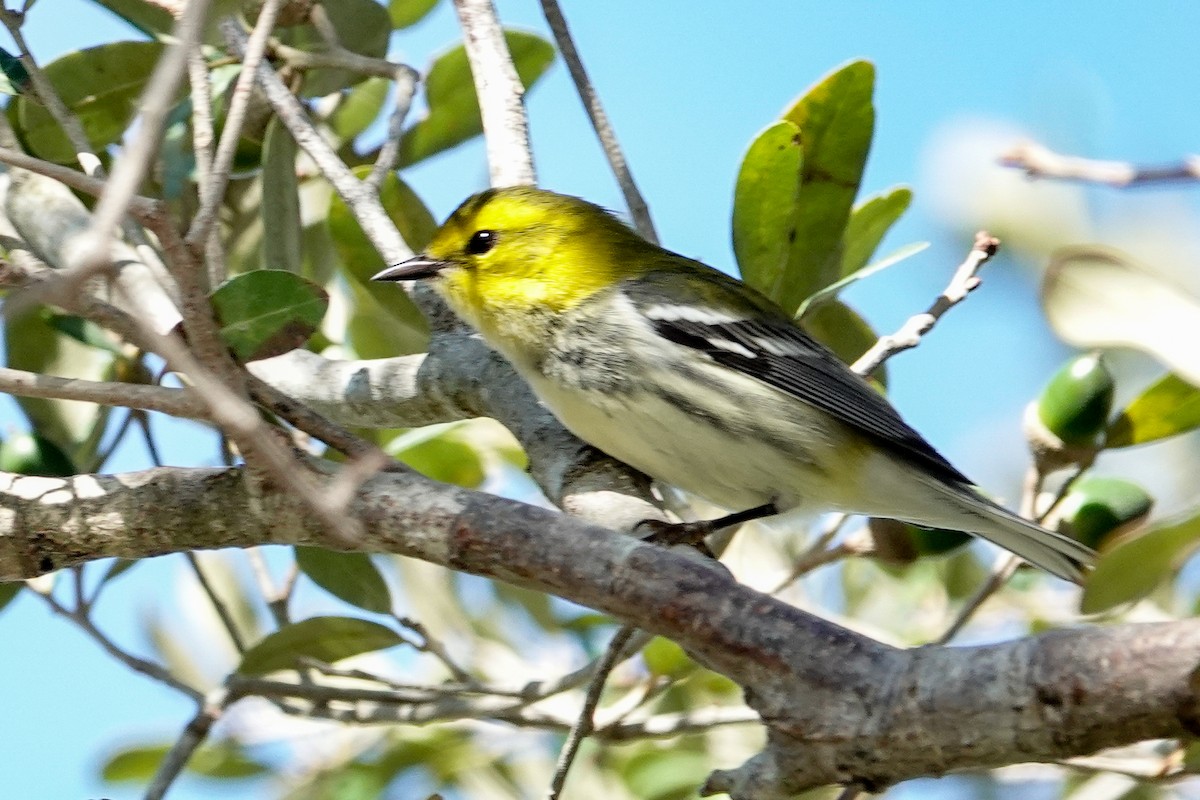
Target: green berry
(1077,402)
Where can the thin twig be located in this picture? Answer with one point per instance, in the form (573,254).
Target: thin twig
(216,602)
(1039,161)
(176,402)
(235,118)
(909,334)
(638,210)
(430,644)
(583,726)
(203,137)
(405,87)
(193,735)
(501,95)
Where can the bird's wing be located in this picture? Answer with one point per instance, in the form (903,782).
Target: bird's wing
(730,328)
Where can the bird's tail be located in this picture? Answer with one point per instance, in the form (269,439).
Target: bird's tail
(961,507)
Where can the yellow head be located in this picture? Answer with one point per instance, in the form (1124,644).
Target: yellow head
(505,253)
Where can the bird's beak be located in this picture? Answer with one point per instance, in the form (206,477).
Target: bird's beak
(420,266)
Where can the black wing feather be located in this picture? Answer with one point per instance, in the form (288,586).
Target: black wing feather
(782,355)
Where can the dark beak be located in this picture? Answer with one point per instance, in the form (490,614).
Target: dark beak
(420,266)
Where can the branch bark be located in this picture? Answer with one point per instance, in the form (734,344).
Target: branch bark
(861,712)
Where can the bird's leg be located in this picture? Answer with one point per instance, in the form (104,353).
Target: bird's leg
(694,533)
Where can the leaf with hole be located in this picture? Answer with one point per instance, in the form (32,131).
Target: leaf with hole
(267,312)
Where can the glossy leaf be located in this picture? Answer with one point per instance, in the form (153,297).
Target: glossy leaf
(831,291)
(836,118)
(268,312)
(869,223)
(406,13)
(453,115)
(150,19)
(100,85)
(1170,406)
(842,330)
(327,639)
(1098,297)
(352,577)
(764,207)
(14,78)
(280,200)
(1134,569)
(8,591)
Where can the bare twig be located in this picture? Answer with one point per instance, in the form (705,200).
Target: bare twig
(251,56)
(203,137)
(909,334)
(405,86)
(430,644)
(1039,161)
(217,603)
(501,95)
(176,402)
(583,726)
(638,209)
(193,735)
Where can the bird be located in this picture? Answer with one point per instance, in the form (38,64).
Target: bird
(693,377)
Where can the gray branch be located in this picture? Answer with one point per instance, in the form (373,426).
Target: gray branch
(838,706)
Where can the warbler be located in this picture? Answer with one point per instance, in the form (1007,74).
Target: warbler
(693,377)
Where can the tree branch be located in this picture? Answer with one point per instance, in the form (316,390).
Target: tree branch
(1039,161)
(839,707)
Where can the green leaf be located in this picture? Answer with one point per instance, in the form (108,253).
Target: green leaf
(453,115)
(225,759)
(673,774)
(327,639)
(14,78)
(439,452)
(31,454)
(281,200)
(836,118)
(9,590)
(1169,407)
(868,224)
(268,312)
(352,577)
(359,108)
(842,330)
(406,13)
(100,85)
(150,19)
(764,206)
(118,567)
(1134,569)
(664,657)
(362,27)
(81,330)
(832,290)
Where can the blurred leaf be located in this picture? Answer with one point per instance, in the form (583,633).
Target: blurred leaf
(832,290)
(869,223)
(101,85)
(666,774)
(1099,297)
(836,118)
(150,19)
(664,657)
(359,107)
(405,13)
(362,27)
(33,344)
(117,568)
(842,330)
(14,79)
(327,639)
(764,206)
(1168,407)
(31,454)
(9,590)
(1131,570)
(453,115)
(268,312)
(376,331)
(439,452)
(81,330)
(352,577)
(281,200)
(224,759)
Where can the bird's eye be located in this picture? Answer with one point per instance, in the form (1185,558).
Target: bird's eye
(480,242)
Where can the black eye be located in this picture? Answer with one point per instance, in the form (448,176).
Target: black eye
(480,242)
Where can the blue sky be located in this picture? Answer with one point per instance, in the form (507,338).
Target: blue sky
(687,86)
